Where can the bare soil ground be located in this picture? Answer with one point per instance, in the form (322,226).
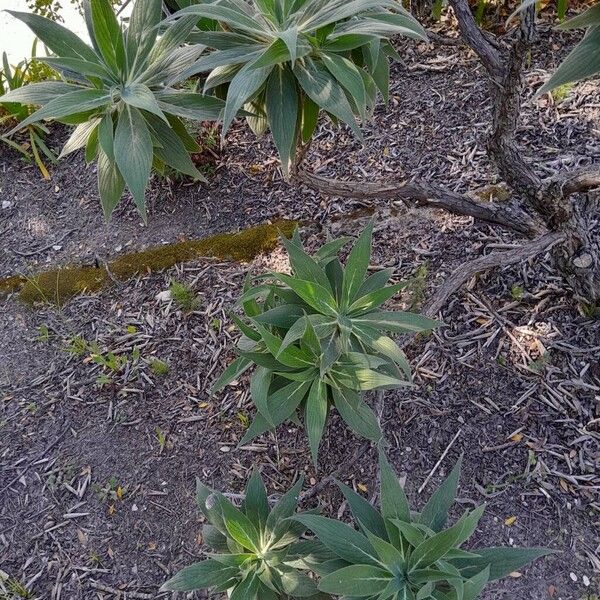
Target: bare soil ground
(97,465)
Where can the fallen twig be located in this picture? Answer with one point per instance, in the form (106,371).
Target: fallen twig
(40,250)
(123,593)
(495,259)
(421,193)
(439,462)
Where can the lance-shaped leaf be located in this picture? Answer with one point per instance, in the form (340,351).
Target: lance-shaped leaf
(57,38)
(340,538)
(208,573)
(281,101)
(356,580)
(315,415)
(436,547)
(133,153)
(61,106)
(582,62)
(394,503)
(110,183)
(245,83)
(435,512)
(501,561)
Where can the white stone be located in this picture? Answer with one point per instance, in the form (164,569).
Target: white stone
(584,261)
(164,296)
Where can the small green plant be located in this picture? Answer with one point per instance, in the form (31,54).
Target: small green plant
(161,438)
(61,474)
(110,362)
(561,93)
(257,551)
(15,115)
(77,345)
(159,367)
(11,588)
(184,297)
(121,95)
(480,11)
(561,9)
(243,419)
(288,61)
(399,554)
(516,292)
(591,310)
(317,339)
(538,365)
(111,491)
(43,335)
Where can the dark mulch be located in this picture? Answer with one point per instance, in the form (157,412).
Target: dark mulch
(97,467)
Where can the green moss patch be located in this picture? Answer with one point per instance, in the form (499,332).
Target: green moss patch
(59,285)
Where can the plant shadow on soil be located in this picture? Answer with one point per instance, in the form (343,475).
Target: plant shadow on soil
(119,447)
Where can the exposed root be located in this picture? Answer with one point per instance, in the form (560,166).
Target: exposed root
(495,259)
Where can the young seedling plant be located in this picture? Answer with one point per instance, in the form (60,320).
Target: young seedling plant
(287,62)
(121,95)
(398,554)
(318,339)
(257,550)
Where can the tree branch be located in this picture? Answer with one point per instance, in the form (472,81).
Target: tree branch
(506,99)
(579,181)
(495,259)
(479,42)
(421,193)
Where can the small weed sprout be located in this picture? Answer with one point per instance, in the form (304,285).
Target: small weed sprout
(11,588)
(516,292)
(561,93)
(110,492)
(184,297)
(159,367)
(161,437)
(77,346)
(43,334)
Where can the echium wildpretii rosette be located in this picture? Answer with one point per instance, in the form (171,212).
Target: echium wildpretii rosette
(121,94)
(257,551)
(398,554)
(288,61)
(318,339)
